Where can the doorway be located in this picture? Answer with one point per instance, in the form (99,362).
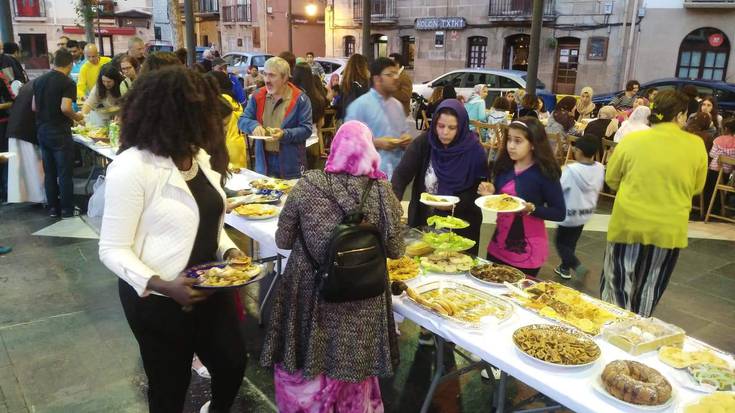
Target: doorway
(380,45)
(515,52)
(567,61)
(35,51)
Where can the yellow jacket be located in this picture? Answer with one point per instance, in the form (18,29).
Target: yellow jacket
(88,76)
(234,139)
(656,173)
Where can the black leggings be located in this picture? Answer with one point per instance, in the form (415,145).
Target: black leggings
(168,338)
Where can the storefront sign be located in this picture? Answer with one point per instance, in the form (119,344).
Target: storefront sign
(104,31)
(716,39)
(440,23)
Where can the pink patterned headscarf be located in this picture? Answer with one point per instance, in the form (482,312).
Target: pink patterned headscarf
(353,152)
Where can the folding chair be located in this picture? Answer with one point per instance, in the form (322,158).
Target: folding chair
(328,130)
(571,139)
(722,187)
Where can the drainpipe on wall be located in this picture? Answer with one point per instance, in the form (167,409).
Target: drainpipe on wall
(6,22)
(631,35)
(621,74)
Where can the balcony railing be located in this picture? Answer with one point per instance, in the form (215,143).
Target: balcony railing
(709,4)
(241,13)
(29,8)
(517,9)
(207,7)
(383,11)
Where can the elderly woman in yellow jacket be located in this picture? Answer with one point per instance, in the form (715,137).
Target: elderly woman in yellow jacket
(648,226)
(234,139)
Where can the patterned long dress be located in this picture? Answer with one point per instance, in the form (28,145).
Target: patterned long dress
(351,342)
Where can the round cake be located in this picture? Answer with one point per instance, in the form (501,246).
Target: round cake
(636,383)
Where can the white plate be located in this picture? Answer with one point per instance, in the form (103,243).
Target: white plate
(262,138)
(682,407)
(597,385)
(451,200)
(259,217)
(564,329)
(480,202)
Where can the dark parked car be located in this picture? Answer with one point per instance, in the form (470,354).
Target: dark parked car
(722,91)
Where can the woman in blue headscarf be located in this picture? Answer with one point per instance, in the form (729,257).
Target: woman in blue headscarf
(445,160)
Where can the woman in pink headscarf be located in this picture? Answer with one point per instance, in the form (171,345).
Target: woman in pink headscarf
(328,356)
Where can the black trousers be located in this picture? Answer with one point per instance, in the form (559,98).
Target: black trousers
(168,338)
(566,243)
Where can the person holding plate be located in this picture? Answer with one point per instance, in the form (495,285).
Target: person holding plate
(525,168)
(104,98)
(164,212)
(449,160)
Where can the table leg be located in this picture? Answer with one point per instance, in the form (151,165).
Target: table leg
(270,288)
(500,393)
(438,372)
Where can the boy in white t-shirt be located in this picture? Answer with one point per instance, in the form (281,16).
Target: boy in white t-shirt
(581,182)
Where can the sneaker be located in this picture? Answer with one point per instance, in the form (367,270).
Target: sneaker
(68,215)
(205,407)
(426,339)
(53,213)
(563,273)
(581,270)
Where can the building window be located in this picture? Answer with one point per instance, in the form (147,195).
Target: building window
(349,45)
(515,52)
(380,45)
(157,32)
(597,48)
(703,54)
(408,50)
(476,51)
(438,39)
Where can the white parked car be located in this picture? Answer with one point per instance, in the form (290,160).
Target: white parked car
(331,66)
(464,80)
(239,62)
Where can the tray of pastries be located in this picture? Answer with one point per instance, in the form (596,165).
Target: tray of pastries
(569,306)
(447,262)
(402,269)
(460,303)
(639,335)
(496,274)
(283,185)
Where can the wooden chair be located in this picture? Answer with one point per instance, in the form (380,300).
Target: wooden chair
(722,188)
(608,147)
(497,134)
(571,139)
(425,121)
(483,131)
(328,130)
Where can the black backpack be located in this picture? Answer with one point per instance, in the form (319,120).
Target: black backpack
(356,266)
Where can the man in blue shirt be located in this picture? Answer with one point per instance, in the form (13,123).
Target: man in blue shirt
(383,114)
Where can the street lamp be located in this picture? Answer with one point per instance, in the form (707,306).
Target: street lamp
(311,9)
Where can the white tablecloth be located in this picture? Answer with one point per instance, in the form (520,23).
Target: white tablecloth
(569,386)
(106,151)
(261,231)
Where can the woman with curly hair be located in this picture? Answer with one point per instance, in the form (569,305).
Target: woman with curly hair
(164,212)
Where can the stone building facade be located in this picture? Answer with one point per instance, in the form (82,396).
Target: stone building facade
(582,40)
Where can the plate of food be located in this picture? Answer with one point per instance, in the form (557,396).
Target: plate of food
(635,385)
(438,200)
(417,248)
(495,274)
(448,241)
(402,269)
(263,196)
(448,222)
(226,274)
(265,137)
(500,203)
(283,185)
(257,211)
(457,302)
(702,370)
(569,306)
(447,262)
(718,402)
(556,345)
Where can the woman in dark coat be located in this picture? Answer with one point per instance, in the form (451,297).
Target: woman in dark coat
(446,160)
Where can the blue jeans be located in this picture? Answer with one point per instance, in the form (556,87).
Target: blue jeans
(57,151)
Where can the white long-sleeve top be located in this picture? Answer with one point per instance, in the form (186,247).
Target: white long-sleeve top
(151,218)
